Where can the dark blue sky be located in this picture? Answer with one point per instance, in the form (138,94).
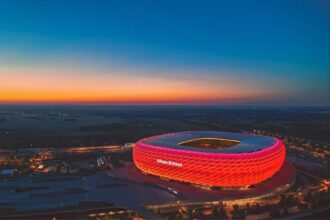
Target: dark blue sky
(282,48)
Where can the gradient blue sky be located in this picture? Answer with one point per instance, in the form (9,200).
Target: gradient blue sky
(265,52)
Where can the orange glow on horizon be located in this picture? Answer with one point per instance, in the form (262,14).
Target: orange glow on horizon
(63,86)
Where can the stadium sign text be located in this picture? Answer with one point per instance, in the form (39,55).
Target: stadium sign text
(168,162)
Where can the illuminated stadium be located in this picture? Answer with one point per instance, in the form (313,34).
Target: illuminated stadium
(215,159)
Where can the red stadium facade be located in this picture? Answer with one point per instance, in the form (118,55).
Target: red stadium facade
(209,168)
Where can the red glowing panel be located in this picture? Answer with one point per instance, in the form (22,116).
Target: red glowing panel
(211,169)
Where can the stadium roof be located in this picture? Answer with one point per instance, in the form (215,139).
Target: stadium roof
(246,143)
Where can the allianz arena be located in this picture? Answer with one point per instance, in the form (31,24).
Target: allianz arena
(210,158)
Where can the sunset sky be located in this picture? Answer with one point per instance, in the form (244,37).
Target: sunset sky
(141,52)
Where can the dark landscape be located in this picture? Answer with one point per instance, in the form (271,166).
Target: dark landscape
(70,125)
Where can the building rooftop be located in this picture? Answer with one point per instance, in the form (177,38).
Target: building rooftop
(211,141)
